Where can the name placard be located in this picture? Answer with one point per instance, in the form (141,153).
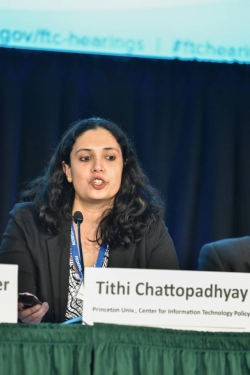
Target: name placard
(8,293)
(190,300)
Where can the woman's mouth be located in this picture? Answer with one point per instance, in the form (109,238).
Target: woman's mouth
(97,183)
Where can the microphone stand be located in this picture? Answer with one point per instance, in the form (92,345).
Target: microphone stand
(80,244)
(78,219)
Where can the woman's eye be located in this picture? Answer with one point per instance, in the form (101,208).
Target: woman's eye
(85,158)
(110,157)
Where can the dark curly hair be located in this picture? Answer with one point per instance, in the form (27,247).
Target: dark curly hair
(136,205)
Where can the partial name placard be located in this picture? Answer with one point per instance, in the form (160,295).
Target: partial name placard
(8,293)
(190,300)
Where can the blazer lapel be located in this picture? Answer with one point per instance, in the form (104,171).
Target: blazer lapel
(122,258)
(59,252)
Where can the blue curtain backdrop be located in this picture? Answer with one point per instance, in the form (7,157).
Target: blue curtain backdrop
(190,123)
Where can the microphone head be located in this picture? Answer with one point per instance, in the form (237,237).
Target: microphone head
(78,218)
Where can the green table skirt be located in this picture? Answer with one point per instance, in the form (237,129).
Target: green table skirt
(106,349)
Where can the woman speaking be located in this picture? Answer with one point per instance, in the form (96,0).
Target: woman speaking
(94,183)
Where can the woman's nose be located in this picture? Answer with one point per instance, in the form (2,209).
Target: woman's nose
(98,166)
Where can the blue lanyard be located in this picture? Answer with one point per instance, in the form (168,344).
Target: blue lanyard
(75,253)
(101,254)
(76,256)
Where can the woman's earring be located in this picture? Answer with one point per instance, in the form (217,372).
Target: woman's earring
(69,179)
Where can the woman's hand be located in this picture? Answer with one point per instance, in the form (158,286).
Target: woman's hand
(32,314)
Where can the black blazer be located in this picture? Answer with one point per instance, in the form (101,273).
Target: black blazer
(43,258)
(230,255)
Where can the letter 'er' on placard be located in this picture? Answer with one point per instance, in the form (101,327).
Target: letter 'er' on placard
(190,300)
(8,293)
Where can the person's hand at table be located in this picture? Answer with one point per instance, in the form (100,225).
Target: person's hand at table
(32,314)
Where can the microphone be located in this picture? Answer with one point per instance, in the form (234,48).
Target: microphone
(78,219)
